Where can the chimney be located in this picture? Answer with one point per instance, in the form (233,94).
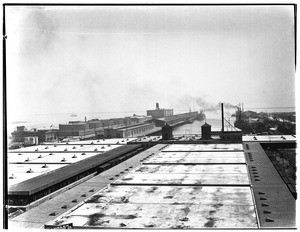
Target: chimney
(85,118)
(157,105)
(222,117)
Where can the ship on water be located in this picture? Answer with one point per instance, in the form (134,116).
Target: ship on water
(201,116)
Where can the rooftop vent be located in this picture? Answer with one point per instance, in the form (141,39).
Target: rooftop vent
(66,149)
(96,149)
(92,142)
(40,156)
(102,147)
(55,145)
(46,147)
(74,156)
(27,160)
(20,154)
(29,171)
(74,147)
(50,153)
(12,176)
(45,166)
(81,145)
(83,153)
(36,149)
(63,160)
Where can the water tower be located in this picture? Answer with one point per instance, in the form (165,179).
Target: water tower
(206,131)
(167,132)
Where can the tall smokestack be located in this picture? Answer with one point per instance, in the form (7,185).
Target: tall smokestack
(222,117)
(157,105)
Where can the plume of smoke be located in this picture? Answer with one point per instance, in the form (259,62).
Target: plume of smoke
(203,104)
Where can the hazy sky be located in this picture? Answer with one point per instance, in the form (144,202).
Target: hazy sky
(107,58)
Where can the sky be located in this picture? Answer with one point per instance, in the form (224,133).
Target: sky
(88,60)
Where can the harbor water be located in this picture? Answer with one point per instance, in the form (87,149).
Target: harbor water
(195,127)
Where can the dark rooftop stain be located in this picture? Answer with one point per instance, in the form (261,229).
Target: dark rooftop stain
(94,199)
(179,227)
(186,210)
(211,212)
(125,216)
(93,218)
(183,219)
(152,190)
(124,199)
(211,222)
(217,205)
(168,197)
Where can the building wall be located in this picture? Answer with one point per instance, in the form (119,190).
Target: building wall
(94,124)
(130,131)
(73,127)
(160,113)
(32,140)
(19,136)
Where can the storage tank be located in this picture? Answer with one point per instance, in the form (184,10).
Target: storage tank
(206,131)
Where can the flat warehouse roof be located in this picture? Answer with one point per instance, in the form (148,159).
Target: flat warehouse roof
(38,183)
(185,179)
(269,138)
(174,195)
(101,141)
(21,172)
(204,147)
(58,158)
(192,169)
(198,160)
(172,216)
(65,148)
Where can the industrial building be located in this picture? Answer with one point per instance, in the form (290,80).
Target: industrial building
(130,130)
(23,136)
(176,120)
(101,128)
(79,129)
(160,113)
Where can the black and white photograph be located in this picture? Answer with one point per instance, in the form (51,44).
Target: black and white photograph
(149,116)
